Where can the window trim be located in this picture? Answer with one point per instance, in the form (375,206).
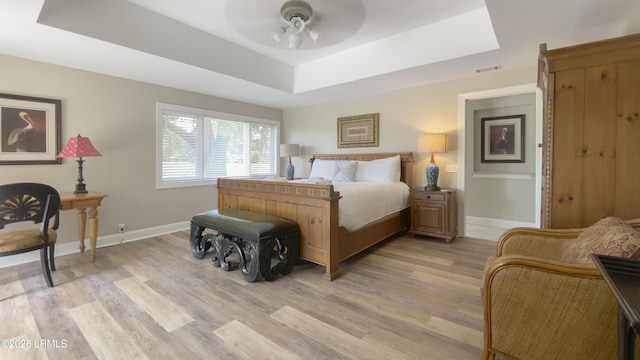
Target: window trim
(162,107)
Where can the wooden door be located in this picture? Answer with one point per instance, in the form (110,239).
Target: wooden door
(596,141)
(598,153)
(567,167)
(627,171)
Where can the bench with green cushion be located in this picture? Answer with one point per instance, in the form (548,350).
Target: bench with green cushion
(256,238)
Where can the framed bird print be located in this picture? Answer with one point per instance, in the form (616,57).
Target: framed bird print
(29,130)
(502,139)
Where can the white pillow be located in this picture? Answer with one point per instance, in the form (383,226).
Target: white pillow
(346,171)
(326,169)
(386,170)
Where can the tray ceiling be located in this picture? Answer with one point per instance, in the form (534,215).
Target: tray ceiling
(224,47)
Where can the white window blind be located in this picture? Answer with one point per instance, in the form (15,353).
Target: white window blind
(197,146)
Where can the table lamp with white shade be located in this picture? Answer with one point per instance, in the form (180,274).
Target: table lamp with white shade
(433,143)
(289,150)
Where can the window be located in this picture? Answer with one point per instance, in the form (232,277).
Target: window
(196,146)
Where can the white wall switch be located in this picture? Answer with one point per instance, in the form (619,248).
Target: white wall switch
(453,168)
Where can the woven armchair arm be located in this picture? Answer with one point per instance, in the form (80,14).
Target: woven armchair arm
(541,243)
(534,308)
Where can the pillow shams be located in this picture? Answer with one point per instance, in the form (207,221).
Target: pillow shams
(339,171)
(386,170)
(326,169)
(346,171)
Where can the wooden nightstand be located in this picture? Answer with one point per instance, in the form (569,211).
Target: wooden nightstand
(434,213)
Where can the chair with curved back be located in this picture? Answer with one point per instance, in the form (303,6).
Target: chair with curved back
(545,299)
(30,202)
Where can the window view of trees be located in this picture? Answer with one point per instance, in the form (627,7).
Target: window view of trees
(178,147)
(262,149)
(200,147)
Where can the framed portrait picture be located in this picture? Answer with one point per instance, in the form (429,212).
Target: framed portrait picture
(502,139)
(29,130)
(359,131)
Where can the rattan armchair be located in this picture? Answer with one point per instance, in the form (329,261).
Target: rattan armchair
(539,306)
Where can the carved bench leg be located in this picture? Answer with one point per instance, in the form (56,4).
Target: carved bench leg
(265,249)
(290,258)
(286,249)
(251,266)
(221,250)
(199,244)
(224,245)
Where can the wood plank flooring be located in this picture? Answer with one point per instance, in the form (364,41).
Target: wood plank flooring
(406,298)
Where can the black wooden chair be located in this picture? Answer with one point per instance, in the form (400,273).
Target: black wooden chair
(37,203)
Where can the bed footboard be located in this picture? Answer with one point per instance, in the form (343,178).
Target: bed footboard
(314,208)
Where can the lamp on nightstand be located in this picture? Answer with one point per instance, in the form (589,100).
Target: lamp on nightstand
(289,150)
(433,143)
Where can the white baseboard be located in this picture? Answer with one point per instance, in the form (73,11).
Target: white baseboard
(475,227)
(103,241)
(490,229)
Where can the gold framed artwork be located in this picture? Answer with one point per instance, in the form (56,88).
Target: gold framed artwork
(29,130)
(359,131)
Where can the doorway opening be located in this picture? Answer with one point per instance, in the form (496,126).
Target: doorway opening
(483,186)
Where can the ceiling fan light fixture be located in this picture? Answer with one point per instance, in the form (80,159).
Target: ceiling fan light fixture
(277,33)
(297,15)
(313,34)
(296,25)
(295,39)
(296,8)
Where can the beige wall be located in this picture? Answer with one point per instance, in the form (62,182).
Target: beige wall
(404,115)
(119,117)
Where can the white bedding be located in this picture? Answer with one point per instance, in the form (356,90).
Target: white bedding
(365,202)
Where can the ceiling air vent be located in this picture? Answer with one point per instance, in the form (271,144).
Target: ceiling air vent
(491,68)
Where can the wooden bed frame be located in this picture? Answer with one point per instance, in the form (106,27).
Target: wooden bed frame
(315,209)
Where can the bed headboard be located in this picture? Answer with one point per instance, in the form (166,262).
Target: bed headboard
(406,161)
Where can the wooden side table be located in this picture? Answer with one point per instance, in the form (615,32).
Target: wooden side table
(433,213)
(623,277)
(90,200)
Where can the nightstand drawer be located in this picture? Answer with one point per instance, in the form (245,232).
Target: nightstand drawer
(433,196)
(433,213)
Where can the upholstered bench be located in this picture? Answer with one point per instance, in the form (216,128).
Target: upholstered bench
(255,237)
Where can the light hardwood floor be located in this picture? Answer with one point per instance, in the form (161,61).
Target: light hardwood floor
(407,298)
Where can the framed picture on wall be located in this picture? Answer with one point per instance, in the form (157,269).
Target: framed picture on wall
(29,130)
(502,139)
(359,131)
